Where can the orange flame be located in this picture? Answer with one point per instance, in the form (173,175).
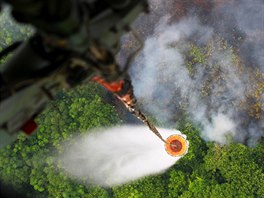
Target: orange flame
(116,87)
(127,99)
(176,145)
(111,86)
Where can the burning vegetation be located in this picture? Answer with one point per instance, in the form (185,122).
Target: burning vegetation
(213,82)
(175,145)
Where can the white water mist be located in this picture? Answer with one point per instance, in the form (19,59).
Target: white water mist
(118,155)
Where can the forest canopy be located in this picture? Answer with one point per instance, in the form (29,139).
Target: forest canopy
(208,170)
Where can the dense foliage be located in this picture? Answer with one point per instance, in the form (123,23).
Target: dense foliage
(208,170)
(28,163)
(11,31)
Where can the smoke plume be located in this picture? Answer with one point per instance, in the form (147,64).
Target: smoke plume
(118,155)
(204,61)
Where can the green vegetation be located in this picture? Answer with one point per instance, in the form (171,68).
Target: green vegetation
(214,85)
(28,163)
(208,170)
(11,31)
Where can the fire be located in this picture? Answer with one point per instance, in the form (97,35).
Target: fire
(123,90)
(117,88)
(176,145)
(111,86)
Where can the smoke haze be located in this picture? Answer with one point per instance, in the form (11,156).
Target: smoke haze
(118,155)
(203,60)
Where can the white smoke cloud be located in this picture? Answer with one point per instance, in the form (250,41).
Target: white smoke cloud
(161,69)
(219,129)
(162,80)
(118,155)
(247,19)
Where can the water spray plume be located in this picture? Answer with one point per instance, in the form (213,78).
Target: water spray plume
(129,153)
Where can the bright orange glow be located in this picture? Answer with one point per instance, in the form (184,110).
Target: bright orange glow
(127,99)
(176,145)
(116,87)
(111,86)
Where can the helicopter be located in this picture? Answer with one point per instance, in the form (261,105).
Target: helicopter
(74,43)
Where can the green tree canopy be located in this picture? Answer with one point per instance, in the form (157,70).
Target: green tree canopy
(29,162)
